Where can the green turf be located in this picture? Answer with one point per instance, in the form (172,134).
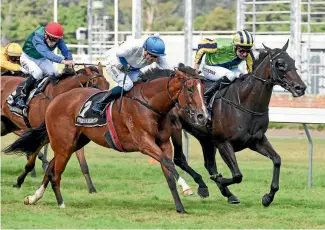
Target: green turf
(134,194)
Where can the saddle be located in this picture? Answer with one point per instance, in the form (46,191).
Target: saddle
(39,87)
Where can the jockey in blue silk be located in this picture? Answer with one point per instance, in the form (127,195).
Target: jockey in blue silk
(225,59)
(126,61)
(37,56)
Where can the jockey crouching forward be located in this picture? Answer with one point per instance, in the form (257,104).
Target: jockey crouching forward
(225,59)
(126,61)
(37,56)
(10,59)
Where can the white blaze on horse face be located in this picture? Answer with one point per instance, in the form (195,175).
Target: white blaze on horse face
(204,109)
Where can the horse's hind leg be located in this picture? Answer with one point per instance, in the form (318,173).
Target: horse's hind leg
(85,170)
(209,154)
(28,168)
(43,158)
(33,172)
(264,147)
(39,192)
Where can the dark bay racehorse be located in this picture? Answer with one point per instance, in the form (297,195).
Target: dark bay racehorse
(87,77)
(143,125)
(239,120)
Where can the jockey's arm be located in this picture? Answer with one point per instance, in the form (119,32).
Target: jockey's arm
(249,62)
(64,50)
(205,46)
(126,49)
(5,64)
(42,48)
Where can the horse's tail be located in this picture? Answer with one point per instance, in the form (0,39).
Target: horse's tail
(29,142)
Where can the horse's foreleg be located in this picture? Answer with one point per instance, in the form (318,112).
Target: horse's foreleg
(180,161)
(209,154)
(264,147)
(228,155)
(169,171)
(85,170)
(148,147)
(39,192)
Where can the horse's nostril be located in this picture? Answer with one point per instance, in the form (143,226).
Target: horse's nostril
(200,117)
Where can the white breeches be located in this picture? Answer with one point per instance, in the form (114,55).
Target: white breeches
(214,73)
(36,67)
(118,76)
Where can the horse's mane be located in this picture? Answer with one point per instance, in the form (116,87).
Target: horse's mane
(155,73)
(92,68)
(262,54)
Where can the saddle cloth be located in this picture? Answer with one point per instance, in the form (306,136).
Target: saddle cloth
(88,118)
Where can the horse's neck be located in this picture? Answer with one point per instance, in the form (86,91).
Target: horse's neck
(254,93)
(157,95)
(65,85)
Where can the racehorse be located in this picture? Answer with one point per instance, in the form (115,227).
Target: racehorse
(239,120)
(87,77)
(142,125)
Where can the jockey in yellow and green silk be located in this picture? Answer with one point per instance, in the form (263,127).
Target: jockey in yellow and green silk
(225,59)
(10,58)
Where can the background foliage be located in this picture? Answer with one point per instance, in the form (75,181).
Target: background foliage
(20,17)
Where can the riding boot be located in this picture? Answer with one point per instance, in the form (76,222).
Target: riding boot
(108,97)
(218,85)
(29,85)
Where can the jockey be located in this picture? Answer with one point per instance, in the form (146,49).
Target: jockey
(125,62)
(38,55)
(10,56)
(225,59)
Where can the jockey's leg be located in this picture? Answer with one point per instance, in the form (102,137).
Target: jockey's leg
(117,76)
(35,72)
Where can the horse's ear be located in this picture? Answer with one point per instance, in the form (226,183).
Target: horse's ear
(269,50)
(100,68)
(285,47)
(88,71)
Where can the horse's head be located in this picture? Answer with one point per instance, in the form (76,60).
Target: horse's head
(283,71)
(191,95)
(93,77)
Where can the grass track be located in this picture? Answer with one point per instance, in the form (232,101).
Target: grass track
(134,194)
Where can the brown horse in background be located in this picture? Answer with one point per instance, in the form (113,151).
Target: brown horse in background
(142,125)
(239,120)
(87,77)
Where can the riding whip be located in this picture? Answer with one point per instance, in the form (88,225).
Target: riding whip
(120,104)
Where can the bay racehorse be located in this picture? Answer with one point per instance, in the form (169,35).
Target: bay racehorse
(142,125)
(87,77)
(239,120)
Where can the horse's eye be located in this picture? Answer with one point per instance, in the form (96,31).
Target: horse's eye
(190,89)
(281,65)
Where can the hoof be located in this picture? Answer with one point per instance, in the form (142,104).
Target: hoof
(188,192)
(203,192)
(233,200)
(16,186)
(267,200)
(26,200)
(62,205)
(92,190)
(181,211)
